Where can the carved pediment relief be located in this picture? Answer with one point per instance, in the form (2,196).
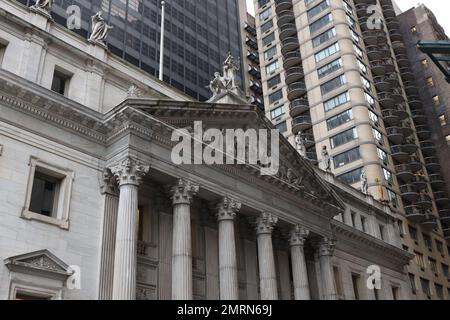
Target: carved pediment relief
(42,261)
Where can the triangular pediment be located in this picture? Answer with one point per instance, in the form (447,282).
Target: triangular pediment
(38,261)
(296,174)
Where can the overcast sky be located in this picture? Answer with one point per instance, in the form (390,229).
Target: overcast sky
(441,9)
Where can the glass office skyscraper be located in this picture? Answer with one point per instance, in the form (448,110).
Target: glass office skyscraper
(199,34)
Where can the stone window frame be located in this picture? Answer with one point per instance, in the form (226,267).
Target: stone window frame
(33,290)
(64,195)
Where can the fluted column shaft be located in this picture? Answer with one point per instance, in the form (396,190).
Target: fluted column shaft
(181,244)
(299,269)
(267,273)
(228,274)
(129,175)
(326,249)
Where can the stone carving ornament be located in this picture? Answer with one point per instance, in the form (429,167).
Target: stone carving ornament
(184,191)
(364,182)
(228,208)
(45,5)
(129,171)
(300,144)
(99,28)
(228,80)
(298,236)
(326,159)
(265,223)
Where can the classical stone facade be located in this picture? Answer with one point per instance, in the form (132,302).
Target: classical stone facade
(127,223)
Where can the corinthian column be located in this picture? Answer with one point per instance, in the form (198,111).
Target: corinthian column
(267,275)
(129,174)
(228,278)
(326,249)
(182,196)
(299,271)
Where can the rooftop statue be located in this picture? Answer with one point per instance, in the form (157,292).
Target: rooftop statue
(45,5)
(99,28)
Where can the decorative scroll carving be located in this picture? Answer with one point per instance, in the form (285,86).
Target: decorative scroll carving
(228,208)
(129,171)
(184,191)
(265,223)
(298,236)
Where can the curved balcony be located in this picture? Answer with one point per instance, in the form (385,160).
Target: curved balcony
(429,224)
(415,164)
(289,44)
(441,198)
(432,164)
(419,117)
(308,139)
(381,83)
(407,129)
(437,181)
(385,99)
(395,135)
(399,47)
(392,23)
(444,213)
(414,102)
(399,155)
(423,133)
(401,112)
(409,193)
(282,5)
(373,52)
(404,173)
(294,74)
(424,201)
(402,60)
(393,80)
(428,148)
(390,117)
(301,123)
(410,147)
(370,37)
(385,51)
(411,88)
(296,90)
(298,106)
(291,59)
(378,67)
(420,182)
(388,11)
(447,234)
(397,95)
(361,9)
(395,36)
(389,65)
(414,214)
(287,30)
(285,17)
(406,74)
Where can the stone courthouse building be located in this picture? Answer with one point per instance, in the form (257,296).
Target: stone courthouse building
(92,207)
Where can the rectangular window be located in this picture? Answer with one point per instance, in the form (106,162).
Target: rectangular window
(329,68)
(320,23)
(272,82)
(336,101)
(340,119)
(439,247)
(338,281)
(48,194)
(2,52)
(412,232)
(355,283)
(265,14)
(439,291)
(382,229)
(425,286)
(347,157)
(442,120)
(412,282)
(60,82)
(266,26)
(325,53)
(324,37)
(269,53)
(343,138)
(364,224)
(268,39)
(318,9)
(382,155)
(378,136)
(333,84)
(433,265)
(351,177)
(275,113)
(395,293)
(445,271)
(271,68)
(277,95)
(427,241)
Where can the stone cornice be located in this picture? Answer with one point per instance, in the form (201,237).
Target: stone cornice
(374,247)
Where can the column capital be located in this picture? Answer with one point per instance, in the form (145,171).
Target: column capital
(228,208)
(265,223)
(298,236)
(108,183)
(326,247)
(184,191)
(129,172)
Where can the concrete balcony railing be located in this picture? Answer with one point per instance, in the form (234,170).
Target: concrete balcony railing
(409,193)
(294,74)
(432,164)
(282,5)
(414,214)
(296,90)
(298,106)
(301,123)
(404,172)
